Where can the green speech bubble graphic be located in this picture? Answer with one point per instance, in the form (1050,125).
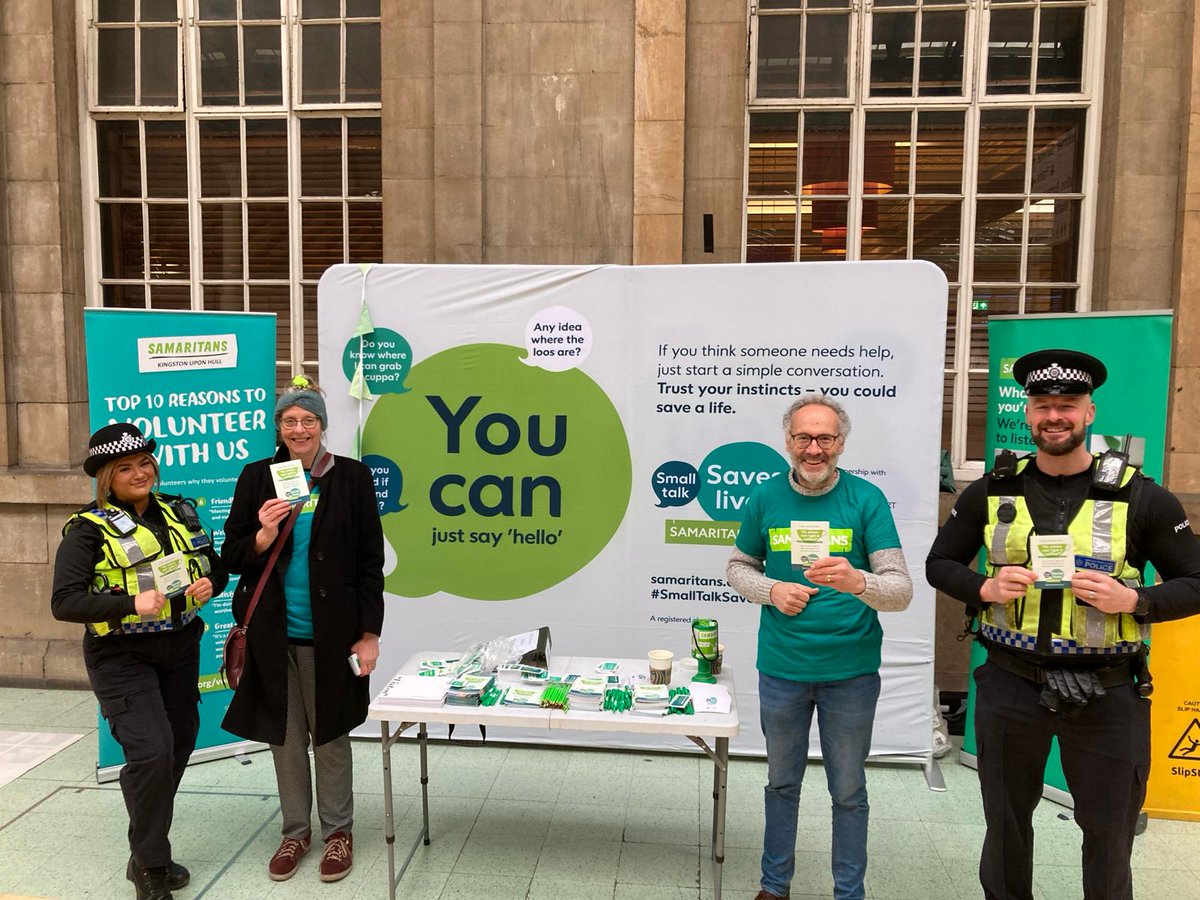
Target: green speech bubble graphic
(515,477)
(730,472)
(387,359)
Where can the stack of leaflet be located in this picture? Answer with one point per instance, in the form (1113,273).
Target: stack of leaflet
(515,674)
(587,692)
(414,690)
(521,695)
(651,699)
(466,690)
(438,667)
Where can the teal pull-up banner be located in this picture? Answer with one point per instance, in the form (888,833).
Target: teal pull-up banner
(202,384)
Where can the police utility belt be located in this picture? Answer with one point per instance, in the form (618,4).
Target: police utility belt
(129,547)
(1109,676)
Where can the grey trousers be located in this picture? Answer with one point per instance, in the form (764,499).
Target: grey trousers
(334,762)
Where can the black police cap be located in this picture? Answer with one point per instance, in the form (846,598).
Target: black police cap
(114,441)
(1059,372)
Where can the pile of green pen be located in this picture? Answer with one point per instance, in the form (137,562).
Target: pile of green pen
(681,691)
(555,695)
(491,696)
(618,699)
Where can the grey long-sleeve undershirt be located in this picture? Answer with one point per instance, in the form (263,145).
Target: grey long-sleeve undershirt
(889,586)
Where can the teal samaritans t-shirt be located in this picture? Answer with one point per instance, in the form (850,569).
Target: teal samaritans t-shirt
(296,595)
(836,636)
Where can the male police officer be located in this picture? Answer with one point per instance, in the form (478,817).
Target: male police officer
(819,639)
(1065,661)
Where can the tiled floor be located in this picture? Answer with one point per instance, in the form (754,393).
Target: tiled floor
(20,751)
(523,822)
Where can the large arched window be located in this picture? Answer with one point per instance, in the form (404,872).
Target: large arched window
(963,133)
(233,154)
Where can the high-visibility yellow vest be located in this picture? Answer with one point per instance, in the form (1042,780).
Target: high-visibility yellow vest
(1099,530)
(125,562)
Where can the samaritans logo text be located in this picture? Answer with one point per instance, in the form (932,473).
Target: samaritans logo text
(841,540)
(194,351)
(731,472)
(515,477)
(187,346)
(1006,366)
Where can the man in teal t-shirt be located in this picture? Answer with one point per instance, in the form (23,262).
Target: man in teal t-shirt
(819,637)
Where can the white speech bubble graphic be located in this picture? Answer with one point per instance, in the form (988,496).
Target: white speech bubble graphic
(557,339)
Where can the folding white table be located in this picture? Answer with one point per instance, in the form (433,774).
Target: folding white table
(708,731)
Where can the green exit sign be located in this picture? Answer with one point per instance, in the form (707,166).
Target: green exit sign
(979,304)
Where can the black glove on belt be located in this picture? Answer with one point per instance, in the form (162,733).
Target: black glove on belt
(1068,686)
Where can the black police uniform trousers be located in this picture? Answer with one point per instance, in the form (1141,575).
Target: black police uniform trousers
(1105,751)
(148,692)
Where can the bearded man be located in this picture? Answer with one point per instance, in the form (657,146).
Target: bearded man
(819,638)
(1066,656)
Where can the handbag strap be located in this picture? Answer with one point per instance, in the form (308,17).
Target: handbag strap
(271,560)
(321,464)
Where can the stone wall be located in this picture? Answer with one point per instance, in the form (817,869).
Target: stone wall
(43,432)
(1183,457)
(715,141)
(510,138)
(1148,209)
(34,648)
(1146,66)
(44,377)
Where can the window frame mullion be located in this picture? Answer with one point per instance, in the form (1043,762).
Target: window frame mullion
(1094,25)
(191,95)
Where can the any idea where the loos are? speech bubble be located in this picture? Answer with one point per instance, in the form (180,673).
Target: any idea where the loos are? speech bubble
(557,339)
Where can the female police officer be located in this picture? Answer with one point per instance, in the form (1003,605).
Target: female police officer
(141,648)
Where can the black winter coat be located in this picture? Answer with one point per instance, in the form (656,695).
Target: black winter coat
(345,570)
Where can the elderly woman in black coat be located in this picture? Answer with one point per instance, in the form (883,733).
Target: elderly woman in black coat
(321,604)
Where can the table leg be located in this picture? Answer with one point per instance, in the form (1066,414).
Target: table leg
(389,822)
(720,789)
(395,873)
(423,738)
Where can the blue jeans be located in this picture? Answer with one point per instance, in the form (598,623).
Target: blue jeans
(845,717)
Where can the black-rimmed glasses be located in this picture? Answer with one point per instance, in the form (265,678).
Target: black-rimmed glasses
(824,441)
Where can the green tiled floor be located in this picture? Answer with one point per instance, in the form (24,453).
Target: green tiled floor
(517,822)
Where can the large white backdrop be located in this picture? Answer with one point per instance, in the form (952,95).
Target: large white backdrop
(570,446)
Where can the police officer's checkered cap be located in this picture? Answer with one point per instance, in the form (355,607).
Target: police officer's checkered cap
(127,443)
(1059,371)
(1056,372)
(114,441)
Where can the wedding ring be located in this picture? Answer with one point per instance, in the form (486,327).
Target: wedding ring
(828,578)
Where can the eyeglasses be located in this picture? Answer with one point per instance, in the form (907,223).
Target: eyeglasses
(824,441)
(308,422)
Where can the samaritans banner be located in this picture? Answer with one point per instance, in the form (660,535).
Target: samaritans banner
(573,447)
(202,385)
(1131,405)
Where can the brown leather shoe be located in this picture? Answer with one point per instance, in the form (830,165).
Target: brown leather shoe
(767,895)
(287,858)
(339,856)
